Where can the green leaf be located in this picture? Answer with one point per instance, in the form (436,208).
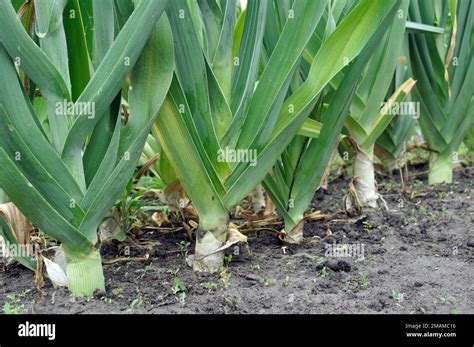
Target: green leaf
(106,82)
(151,78)
(77,47)
(346,42)
(32,59)
(10,239)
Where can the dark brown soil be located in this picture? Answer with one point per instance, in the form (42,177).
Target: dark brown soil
(418,259)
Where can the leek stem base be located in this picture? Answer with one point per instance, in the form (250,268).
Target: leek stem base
(207,256)
(85,274)
(441,169)
(364,181)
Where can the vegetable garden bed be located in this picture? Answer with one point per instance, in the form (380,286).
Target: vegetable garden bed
(227,156)
(418,259)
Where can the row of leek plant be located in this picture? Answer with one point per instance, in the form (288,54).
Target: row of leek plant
(370,128)
(443,65)
(65,169)
(231,94)
(208,79)
(352,101)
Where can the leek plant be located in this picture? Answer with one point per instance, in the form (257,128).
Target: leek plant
(228,117)
(370,112)
(66,153)
(368,119)
(443,65)
(392,143)
(298,173)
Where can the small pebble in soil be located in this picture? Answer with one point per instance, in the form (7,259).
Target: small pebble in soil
(344,266)
(403,248)
(379,250)
(418,284)
(337,266)
(383,303)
